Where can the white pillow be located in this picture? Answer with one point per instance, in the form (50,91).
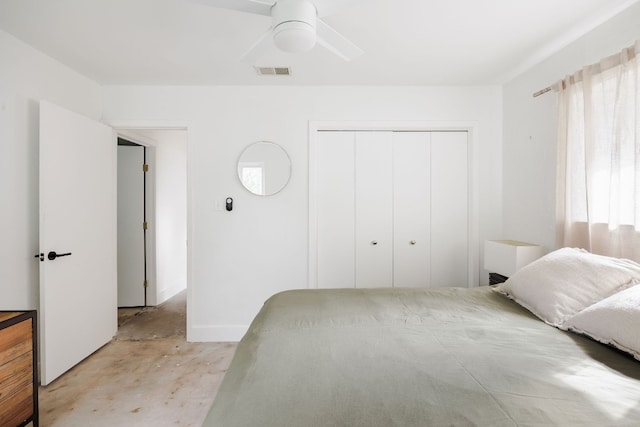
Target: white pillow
(614,321)
(563,282)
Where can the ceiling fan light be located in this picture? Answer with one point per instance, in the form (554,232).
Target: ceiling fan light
(294,36)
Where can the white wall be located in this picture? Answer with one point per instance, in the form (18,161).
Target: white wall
(240,258)
(530,129)
(27,76)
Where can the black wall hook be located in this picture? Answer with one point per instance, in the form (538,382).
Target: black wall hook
(229,202)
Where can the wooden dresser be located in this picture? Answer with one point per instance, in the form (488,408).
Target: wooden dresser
(18,369)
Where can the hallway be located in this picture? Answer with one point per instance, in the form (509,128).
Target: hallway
(148,375)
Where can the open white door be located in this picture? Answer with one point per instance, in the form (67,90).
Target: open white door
(78,292)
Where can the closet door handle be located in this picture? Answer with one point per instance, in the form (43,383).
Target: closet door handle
(413,242)
(374,242)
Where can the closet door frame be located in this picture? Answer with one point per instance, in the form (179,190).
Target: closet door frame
(471,127)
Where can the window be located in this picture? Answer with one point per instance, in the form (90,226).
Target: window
(599,157)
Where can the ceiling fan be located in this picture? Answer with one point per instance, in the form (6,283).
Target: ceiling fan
(295,26)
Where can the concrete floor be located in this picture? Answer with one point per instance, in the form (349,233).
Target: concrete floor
(148,375)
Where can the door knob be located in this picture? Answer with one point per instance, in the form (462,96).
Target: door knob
(53,255)
(413,242)
(374,242)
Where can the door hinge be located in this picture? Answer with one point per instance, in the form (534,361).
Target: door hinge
(145,167)
(146,283)
(145,225)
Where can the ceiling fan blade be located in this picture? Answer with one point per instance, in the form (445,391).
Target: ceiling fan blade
(336,42)
(249,6)
(256,51)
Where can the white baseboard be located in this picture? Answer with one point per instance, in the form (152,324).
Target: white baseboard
(215,333)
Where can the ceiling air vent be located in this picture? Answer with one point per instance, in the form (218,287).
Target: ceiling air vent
(273,71)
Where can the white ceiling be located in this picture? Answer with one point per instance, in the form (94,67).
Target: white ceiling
(406,42)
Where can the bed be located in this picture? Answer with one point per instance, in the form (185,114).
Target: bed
(436,357)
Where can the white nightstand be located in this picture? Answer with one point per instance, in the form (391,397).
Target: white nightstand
(504,257)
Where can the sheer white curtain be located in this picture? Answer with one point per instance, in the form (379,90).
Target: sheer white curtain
(598,193)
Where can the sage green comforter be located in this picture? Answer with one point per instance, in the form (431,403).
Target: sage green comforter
(428,357)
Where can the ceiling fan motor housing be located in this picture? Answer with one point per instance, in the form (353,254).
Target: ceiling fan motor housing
(294,25)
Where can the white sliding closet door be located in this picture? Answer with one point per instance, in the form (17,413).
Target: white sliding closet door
(391,209)
(411,204)
(335,198)
(449,209)
(374,210)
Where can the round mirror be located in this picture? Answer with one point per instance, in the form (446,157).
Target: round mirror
(264,168)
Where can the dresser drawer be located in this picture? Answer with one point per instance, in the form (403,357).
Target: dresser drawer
(15,375)
(17,408)
(18,379)
(15,341)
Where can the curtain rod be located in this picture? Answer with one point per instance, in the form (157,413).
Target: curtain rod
(550,88)
(542,91)
(604,64)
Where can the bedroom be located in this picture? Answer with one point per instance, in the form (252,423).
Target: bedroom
(516,152)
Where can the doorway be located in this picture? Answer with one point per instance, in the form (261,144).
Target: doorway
(165,204)
(132,224)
